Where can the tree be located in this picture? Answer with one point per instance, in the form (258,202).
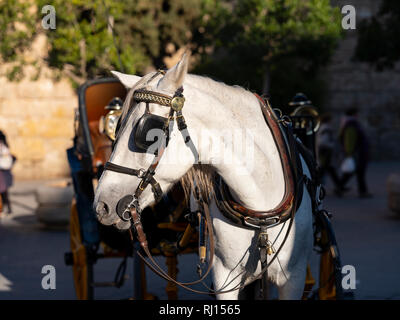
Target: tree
(275,46)
(378,37)
(95,36)
(91,34)
(16,33)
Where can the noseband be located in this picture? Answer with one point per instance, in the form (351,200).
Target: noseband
(175,105)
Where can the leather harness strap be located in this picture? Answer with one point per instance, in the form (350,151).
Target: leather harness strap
(292,171)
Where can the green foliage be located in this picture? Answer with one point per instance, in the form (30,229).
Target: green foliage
(150,28)
(280,42)
(83,40)
(247,42)
(378,37)
(16,32)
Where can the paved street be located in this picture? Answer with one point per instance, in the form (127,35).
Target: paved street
(367,232)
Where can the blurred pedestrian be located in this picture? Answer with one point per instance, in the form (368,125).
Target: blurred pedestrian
(356,148)
(325,145)
(6,179)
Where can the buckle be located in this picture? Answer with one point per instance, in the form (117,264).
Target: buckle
(142,173)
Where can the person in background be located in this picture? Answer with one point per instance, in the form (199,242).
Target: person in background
(355,145)
(6,178)
(325,145)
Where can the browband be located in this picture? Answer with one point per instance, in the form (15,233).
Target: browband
(176,102)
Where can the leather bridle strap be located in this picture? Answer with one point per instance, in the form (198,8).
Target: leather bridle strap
(146,176)
(175,104)
(120,169)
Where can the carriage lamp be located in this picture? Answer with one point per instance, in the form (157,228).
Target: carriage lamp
(108,123)
(307,115)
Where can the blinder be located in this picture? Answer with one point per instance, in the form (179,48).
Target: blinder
(143,142)
(149,124)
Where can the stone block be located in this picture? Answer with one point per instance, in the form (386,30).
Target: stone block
(29,148)
(52,216)
(38,108)
(47,128)
(54,195)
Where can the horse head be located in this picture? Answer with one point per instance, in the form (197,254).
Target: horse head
(139,141)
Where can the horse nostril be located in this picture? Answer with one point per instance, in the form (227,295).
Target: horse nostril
(101,209)
(122,206)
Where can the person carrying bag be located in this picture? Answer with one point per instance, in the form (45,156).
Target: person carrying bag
(356,148)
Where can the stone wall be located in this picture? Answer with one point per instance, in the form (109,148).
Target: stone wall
(37,118)
(377,94)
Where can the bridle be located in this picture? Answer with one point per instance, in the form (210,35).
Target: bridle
(175,103)
(133,210)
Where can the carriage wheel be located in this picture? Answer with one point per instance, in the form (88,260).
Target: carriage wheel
(82,267)
(330,276)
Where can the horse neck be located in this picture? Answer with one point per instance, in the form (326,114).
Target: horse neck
(254,173)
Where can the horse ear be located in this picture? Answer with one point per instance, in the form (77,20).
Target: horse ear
(174,77)
(127,80)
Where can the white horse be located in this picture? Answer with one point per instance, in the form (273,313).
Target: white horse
(255,177)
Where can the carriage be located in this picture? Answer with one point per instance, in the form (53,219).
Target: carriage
(165,222)
(99,102)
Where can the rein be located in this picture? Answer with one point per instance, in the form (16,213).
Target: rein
(286,210)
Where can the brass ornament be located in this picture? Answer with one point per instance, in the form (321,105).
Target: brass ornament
(177,103)
(149,97)
(109,123)
(311,112)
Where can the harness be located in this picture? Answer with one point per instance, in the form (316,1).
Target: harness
(260,220)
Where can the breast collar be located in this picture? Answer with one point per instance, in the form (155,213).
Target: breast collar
(292,173)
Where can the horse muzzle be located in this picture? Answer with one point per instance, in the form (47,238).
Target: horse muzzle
(103,214)
(108,218)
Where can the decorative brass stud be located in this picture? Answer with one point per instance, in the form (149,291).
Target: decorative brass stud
(177,103)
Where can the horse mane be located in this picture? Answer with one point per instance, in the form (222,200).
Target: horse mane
(201,176)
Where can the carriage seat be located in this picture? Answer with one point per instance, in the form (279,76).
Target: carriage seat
(101,145)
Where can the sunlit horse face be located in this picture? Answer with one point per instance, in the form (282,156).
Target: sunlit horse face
(175,162)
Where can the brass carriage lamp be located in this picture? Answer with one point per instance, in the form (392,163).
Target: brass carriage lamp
(108,123)
(307,115)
